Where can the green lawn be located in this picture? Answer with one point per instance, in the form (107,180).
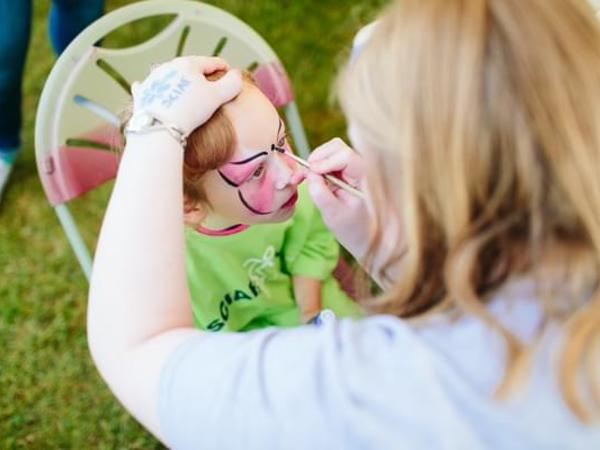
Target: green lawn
(50,393)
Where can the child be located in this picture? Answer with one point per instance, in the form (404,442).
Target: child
(250,264)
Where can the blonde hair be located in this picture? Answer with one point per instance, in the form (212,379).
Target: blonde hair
(485,118)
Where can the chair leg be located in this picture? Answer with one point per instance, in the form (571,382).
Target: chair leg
(75,239)
(297,131)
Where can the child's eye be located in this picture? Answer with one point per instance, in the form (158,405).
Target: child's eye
(258,172)
(281,141)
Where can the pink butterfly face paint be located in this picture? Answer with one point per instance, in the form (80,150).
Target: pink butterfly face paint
(257,178)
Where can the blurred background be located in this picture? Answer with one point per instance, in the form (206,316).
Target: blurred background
(50,393)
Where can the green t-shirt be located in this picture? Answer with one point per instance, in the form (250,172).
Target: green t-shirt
(243,281)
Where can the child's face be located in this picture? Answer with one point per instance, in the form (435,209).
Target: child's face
(259,184)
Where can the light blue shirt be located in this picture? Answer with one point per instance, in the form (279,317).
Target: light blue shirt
(379,383)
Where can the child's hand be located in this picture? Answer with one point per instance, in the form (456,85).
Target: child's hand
(345,214)
(178,94)
(307,292)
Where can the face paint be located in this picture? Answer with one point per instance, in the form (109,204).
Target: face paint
(256,177)
(237,173)
(258,194)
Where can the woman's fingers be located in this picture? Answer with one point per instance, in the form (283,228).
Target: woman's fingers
(228,86)
(195,64)
(178,93)
(212,64)
(337,158)
(333,202)
(326,149)
(343,213)
(323,197)
(204,64)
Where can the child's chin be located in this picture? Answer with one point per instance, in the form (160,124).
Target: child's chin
(285,214)
(280,215)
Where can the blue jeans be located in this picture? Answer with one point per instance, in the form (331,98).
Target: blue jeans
(67,19)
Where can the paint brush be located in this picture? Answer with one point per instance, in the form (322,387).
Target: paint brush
(333,180)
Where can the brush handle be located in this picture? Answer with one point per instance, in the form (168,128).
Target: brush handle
(333,180)
(345,186)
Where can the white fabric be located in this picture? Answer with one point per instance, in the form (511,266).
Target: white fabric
(378,383)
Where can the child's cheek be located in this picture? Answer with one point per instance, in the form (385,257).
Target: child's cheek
(263,196)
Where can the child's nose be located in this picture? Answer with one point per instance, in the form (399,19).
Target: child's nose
(290,173)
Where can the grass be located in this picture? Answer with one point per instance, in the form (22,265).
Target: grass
(50,393)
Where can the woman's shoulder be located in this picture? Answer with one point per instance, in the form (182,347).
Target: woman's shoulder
(382,380)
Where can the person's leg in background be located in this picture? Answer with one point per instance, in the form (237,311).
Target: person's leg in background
(15,27)
(69,17)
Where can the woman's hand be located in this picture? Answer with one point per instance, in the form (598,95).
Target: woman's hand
(345,214)
(178,94)
(348,215)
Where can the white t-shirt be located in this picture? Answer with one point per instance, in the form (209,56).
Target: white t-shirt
(379,383)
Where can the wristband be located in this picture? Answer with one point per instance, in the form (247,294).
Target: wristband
(143,122)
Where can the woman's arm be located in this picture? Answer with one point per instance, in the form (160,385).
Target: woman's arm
(139,308)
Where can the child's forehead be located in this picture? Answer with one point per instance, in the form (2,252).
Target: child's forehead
(259,145)
(253,118)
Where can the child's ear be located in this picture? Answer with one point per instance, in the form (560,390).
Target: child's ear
(193,213)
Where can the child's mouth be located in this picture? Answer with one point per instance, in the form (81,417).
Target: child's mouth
(291,202)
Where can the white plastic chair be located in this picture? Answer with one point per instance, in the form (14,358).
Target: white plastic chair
(77,126)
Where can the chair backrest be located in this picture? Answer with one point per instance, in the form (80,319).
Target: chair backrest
(77,120)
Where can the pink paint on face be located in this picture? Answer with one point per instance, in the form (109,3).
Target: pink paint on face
(256,179)
(238,173)
(235,193)
(260,197)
